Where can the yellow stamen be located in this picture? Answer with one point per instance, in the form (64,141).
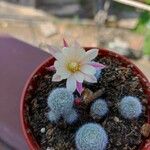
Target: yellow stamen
(73,67)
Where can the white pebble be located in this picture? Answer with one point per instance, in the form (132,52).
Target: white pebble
(116,119)
(48,148)
(42,130)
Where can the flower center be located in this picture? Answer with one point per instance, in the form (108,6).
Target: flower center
(73,67)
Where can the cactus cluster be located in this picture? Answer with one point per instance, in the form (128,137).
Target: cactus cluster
(130,107)
(99,108)
(61,103)
(91,136)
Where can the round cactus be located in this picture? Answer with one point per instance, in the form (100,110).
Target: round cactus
(91,136)
(72,117)
(99,108)
(61,100)
(61,103)
(130,107)
(98,73)
(53,117)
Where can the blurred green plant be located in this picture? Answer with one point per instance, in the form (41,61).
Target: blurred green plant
(147,44)
(143,27)
(144,18)
(147,1)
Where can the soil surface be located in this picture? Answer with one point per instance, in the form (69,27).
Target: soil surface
(118,81)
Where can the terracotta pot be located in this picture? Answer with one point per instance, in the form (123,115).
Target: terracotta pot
(33,145)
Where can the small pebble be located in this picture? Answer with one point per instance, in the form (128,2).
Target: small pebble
(30,88)
(48,148)
(145,101)
(42,130)
(145,130)
(86,94)
(116,119)
(141,89)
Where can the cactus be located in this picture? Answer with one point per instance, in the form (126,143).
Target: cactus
(130,107)
(98,73)
(99,108)
(61,103)
(91,136)
(72,117)
(53,117)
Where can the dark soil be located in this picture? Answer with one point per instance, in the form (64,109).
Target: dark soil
(118,82)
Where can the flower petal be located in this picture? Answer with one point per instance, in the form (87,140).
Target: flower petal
(90,78)
(74,53)
(59,65)
(64,75)
(66,51)
(54,51)
(79,87)
(59,56)
(79,76)
(71,84)
(97,65)
(90,55)
(79,51)
(76,45)
(88,69)
(56,78)
(51,68)
(65,43)
(80,54)
(61,69)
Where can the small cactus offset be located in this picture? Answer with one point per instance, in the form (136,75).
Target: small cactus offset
(99,109)
(53,117)
(61,103)
(71,117)
(98,73)
(130,107)
(91,136)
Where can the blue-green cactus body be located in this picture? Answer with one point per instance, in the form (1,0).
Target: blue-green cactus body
(71,117)
(99,108)
(61,103)
(98,73)
(91,136)
(53,117)
(130,107)
(61,100)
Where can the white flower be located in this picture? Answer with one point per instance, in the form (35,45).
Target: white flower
(74,64)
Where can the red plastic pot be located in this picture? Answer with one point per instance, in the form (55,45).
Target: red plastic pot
(31,84)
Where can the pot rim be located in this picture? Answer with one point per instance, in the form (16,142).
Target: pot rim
(28,136)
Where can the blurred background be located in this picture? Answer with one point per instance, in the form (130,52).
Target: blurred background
(120,25)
